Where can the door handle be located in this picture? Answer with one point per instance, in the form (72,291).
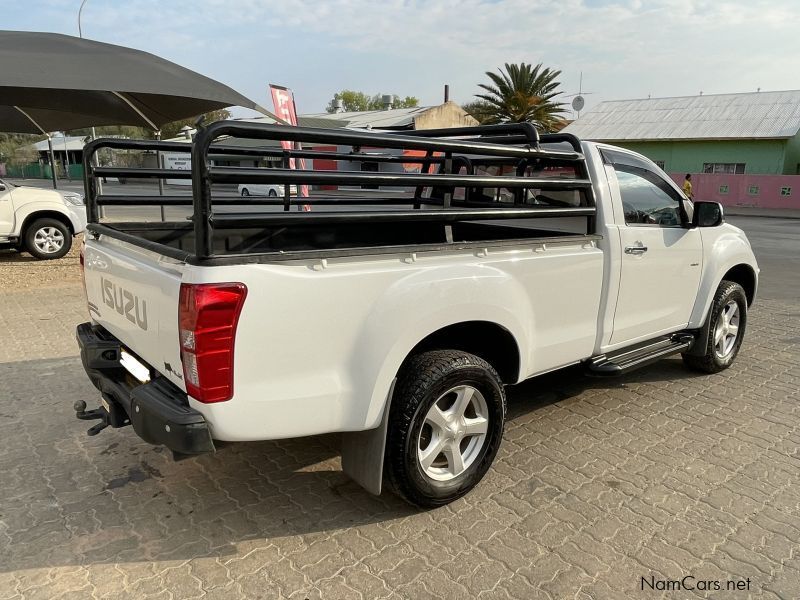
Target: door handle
(635,249)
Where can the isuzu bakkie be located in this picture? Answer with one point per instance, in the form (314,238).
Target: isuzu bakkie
(442,266)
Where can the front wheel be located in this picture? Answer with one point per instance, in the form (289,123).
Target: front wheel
(447,416)
(245,193)
(727,322)
(47,239)
(272,194)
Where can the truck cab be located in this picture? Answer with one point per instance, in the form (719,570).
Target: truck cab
(41,222)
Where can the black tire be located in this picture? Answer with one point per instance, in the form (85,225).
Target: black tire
(423,381)
(272,194)
(711,361)
(245,193)
(39,249)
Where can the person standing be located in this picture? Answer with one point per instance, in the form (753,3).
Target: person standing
(687,187)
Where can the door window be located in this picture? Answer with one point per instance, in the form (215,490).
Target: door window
(646,198)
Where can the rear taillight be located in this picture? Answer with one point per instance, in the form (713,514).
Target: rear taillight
(207,317)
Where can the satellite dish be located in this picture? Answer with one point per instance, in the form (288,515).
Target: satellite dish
(578,103)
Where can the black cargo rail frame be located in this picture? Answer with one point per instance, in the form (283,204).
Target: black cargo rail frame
(517,145)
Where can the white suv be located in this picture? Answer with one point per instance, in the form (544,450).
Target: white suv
(262,189)
(43,222)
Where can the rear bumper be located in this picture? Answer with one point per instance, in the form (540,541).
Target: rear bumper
(158,410)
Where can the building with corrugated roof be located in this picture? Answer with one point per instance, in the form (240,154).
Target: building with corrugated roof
(448,114)
(753,133)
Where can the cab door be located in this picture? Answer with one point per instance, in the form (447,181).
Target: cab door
(6,210)
(662,258)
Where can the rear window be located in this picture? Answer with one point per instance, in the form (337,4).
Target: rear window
(532,196)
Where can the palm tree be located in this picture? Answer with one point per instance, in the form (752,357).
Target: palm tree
(523,93)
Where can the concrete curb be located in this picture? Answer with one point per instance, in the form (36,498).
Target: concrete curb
(770,213)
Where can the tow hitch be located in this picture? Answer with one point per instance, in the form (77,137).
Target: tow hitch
(107,414)
(91,415)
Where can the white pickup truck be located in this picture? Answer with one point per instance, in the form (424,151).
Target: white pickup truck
(396,319)
(40,221)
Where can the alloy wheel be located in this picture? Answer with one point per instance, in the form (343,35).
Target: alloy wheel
(453,434)
(727,329)
(48,240)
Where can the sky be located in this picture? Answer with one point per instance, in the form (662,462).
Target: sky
(624,49)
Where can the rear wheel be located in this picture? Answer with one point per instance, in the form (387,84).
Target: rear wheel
(727,322)
(245,193)
(447,415)
(272,194)
(47,239)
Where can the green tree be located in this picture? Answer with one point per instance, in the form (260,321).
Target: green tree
(170,130)
(359,101)
(124,131)
(521,93)
(18,151)
(478,109)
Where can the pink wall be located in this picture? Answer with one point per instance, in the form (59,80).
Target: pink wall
(707,187)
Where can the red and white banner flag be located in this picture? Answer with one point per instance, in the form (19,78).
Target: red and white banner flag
(283,100)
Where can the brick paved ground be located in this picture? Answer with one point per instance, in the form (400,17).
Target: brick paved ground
(598,483)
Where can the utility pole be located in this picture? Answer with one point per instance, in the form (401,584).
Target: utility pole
(80,10)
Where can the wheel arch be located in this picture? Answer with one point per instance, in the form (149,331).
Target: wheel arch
(407,318)
(745,276)
(30,218)
(488,340)
(728,256)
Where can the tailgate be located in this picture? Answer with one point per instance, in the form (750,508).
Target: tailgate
(133,293)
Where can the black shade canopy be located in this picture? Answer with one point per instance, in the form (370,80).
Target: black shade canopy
(50,81)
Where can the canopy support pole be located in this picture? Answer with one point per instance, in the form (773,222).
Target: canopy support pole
(132,106)
(49,146)
(160,179)
(52,162)
(157,131)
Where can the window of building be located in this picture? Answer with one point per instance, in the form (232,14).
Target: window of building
(786,191)
(723,189)
(730,168)
(753,190)
(646,198)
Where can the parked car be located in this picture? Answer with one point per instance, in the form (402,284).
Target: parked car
(39,221)
(400,327)
(264,189)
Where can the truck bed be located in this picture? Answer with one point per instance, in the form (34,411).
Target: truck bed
(323,238)
(460,187)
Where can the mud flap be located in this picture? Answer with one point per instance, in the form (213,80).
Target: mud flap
(701,338)
(362,452)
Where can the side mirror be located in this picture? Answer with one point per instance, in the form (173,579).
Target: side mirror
(2,187)
(707,214)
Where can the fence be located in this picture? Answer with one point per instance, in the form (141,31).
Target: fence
(37,170)
(759,191)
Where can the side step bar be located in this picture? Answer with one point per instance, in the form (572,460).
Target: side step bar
(628,359)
